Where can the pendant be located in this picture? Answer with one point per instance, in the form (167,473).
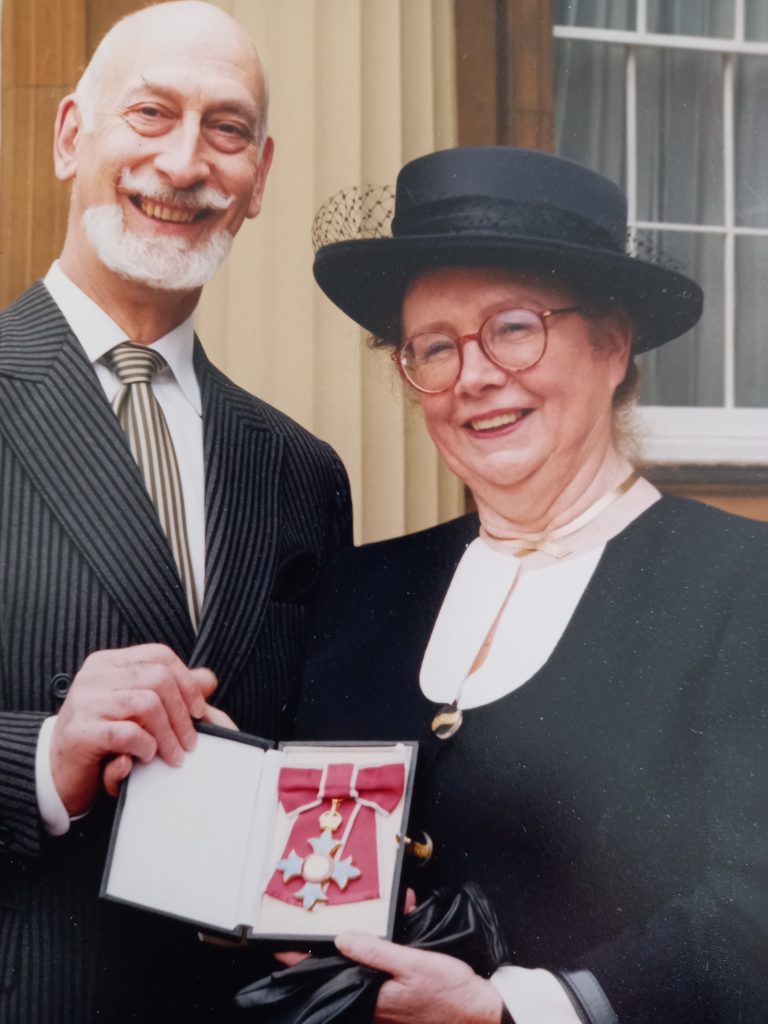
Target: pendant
(447,721)
(318,869)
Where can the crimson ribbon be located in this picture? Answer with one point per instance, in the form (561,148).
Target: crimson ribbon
(379,785)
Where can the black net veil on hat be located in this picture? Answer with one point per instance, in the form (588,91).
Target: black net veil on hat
(360,211)
(495,206)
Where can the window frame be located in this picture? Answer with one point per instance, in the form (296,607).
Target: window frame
(727,433)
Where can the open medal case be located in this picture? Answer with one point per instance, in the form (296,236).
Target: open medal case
(293,843)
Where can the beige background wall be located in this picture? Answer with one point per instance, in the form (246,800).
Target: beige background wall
(358,87)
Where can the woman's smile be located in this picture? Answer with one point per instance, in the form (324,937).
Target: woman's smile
(497,423)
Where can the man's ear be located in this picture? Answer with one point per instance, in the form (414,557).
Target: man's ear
(66,134)
(254,207)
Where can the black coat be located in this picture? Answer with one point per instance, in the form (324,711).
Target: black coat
(615,807)
(84,565)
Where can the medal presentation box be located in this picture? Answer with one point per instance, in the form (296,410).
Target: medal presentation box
(294,843)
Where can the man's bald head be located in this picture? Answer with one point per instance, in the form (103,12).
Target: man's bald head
(192,26)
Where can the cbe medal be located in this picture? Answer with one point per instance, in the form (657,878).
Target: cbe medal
(340,848)
(319,868)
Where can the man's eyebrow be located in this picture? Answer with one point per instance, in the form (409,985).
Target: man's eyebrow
(249,111)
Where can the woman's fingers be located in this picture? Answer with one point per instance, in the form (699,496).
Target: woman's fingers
(290,958)
(374,952)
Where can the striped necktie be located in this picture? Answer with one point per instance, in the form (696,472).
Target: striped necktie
(142,419)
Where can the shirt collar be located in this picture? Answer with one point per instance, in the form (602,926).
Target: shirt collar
(626,503)
(97,333)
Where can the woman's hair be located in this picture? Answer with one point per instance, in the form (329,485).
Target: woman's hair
(625,395)
(597,306)
(594,310)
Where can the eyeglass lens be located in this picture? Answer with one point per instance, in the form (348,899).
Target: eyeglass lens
(513,339)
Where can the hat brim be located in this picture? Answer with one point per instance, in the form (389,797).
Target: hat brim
(367,278)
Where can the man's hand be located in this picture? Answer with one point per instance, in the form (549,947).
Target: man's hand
(426,988)
(135,702)
(119,767)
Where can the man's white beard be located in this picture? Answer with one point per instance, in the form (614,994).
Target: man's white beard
(168,262)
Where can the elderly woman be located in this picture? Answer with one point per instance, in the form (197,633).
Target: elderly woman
(584,661)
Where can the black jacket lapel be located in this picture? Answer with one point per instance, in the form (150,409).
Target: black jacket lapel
(242,467)
(56,418)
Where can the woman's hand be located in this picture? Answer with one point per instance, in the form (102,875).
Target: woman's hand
(426,988)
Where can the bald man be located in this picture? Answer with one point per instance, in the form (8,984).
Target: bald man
(161,534)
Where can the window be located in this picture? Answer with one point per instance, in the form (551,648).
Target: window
(670,99)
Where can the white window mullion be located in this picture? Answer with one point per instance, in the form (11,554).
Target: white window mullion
(631,129)
(739,18)
(691,229)
(658,41)
(729,268)
(700,229)
(642,16)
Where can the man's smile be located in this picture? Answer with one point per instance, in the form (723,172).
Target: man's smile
(173,214)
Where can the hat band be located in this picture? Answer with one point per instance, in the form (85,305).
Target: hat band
(505,218)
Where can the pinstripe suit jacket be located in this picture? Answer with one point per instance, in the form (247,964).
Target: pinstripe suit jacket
(84,566)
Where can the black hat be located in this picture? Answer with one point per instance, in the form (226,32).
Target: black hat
(502,207)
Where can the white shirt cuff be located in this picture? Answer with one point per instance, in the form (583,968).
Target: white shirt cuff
(534,996)
(52,810)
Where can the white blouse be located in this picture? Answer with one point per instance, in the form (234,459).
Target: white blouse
(542,590)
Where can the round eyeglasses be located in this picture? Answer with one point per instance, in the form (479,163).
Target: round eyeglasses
(512,339)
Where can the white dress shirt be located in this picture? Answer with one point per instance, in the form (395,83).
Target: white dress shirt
(176,389)
(488,575)
(178,394)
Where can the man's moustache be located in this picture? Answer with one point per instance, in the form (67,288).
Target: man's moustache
(199,197)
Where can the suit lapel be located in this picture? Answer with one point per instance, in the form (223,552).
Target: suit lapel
(60,425)
(242,465)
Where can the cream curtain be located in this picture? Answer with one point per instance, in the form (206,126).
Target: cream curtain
(358,87)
